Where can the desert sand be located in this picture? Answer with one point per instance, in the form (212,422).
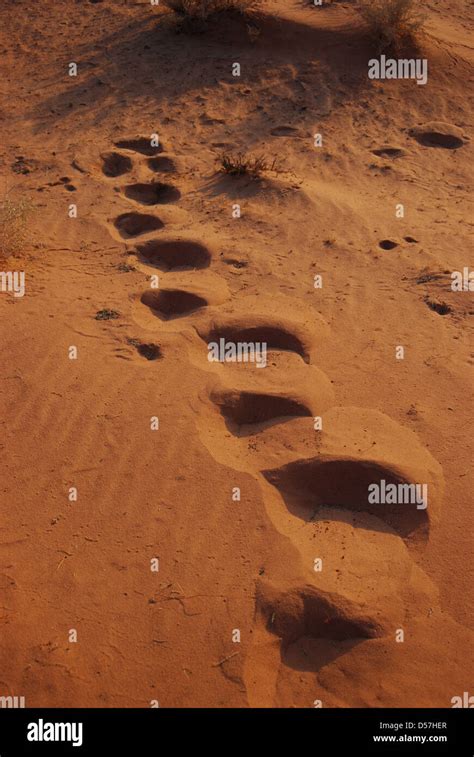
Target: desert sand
(175,530)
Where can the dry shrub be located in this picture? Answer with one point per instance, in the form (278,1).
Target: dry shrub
(392,22)
(202,10)
(13,225)
(243,165)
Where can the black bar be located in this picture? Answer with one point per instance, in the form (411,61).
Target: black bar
(317,731)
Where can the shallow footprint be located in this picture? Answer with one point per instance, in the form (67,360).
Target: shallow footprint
(389,151)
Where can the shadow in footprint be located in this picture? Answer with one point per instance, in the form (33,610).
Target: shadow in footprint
(172,303)
(162,164)
(284,131)
(314,627)
(274,337)
(310,485)
(389,152)
(155,193)
(388,244)
(248,413)
(438,134)
(135,224)
(140,144)
(310,655)
(170,255)
(114,164)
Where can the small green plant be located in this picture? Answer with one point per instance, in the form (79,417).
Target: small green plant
(243,165)
(391,22)
(125,268)
(106,315)
(440,307)
(14,216)
(149,351)
(427,276)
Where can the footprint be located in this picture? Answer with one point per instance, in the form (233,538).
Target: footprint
(319,484)
(140,144)
(439,134)
(155,193)
(114,164)
(248,412)
(134,224)
(388,244)
(275,337)
(162,164)
(172,303)
(168,255)
(316,626)
(367,587)
(310,612)
(387,151)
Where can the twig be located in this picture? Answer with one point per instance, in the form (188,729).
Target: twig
(217,664)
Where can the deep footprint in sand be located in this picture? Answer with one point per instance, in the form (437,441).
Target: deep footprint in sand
(316,626)
(134,224)
(172,303)
(249,412)
(273,337)
(310,612)
(154,193)
(170,255)
(307,486)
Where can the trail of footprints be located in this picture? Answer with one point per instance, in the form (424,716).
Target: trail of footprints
(324,483)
